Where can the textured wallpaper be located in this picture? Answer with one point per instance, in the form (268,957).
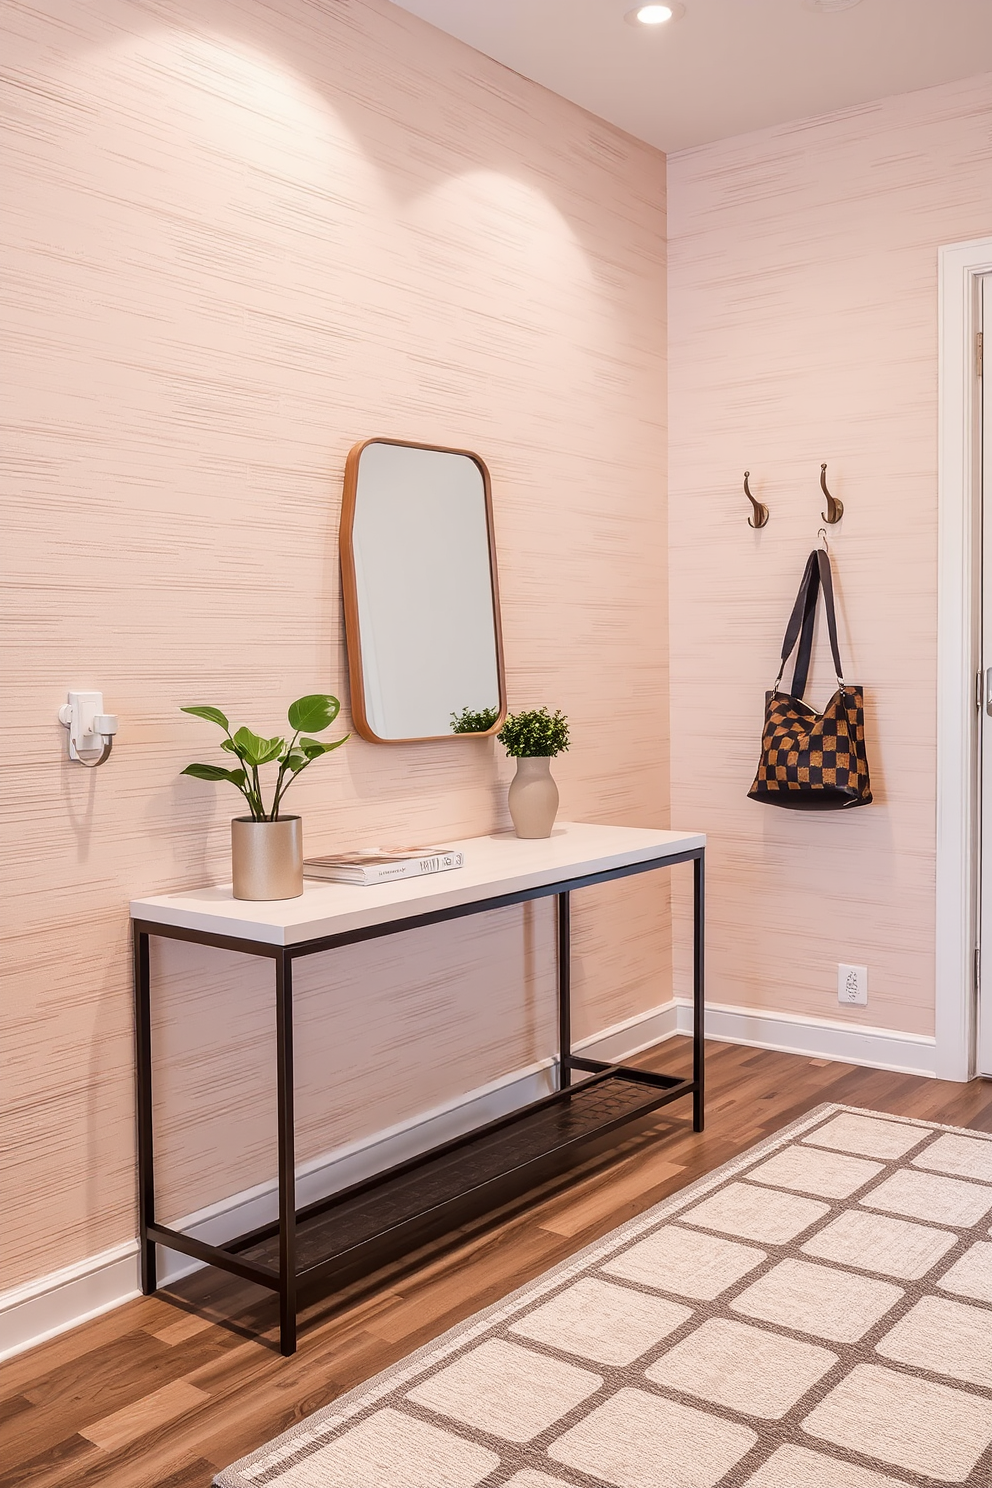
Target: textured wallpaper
(803,328)
(238,238)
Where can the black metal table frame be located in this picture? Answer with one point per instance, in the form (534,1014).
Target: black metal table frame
(285,1280)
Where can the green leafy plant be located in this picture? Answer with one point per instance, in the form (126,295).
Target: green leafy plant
(308,715)
(467,722)
(535,733)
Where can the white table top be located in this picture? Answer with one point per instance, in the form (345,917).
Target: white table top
(499,864)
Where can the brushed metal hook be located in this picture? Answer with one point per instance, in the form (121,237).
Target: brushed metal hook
(835,508)
(760,511)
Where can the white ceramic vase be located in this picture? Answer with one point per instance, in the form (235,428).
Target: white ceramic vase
(533,797)
(267,858)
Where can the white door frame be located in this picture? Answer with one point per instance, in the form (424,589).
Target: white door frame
(958,656)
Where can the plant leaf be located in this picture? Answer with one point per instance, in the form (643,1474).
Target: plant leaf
(215,772)
(313,748)
(248,745)
(315,712)
(230,746)
(255,750)
(212,715)
(295,761)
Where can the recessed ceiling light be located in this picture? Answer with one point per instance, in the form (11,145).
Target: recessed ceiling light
(826,6)
(655,15)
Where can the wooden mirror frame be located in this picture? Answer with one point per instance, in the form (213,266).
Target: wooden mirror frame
(349,590)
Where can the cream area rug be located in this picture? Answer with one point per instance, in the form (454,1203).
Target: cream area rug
(815,1314)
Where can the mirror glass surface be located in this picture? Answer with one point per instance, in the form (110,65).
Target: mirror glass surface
(420,590)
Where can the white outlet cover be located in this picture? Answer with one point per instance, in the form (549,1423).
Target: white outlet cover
(852,985)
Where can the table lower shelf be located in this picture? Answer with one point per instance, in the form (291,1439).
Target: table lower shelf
(386,1216)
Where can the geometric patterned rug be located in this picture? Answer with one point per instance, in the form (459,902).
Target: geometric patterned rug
(817,1313)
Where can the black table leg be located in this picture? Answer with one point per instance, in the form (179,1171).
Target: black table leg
(143,1072)
(564,990)
(287,1154)
(698,1005)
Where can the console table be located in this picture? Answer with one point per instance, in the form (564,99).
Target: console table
(392,1212)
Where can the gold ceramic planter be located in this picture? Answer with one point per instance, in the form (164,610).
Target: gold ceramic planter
(267,858)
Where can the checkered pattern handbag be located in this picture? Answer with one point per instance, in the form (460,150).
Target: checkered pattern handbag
(813,761)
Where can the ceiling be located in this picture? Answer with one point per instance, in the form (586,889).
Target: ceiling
(726,66)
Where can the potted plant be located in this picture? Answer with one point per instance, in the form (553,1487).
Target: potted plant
(267,847)
(469,721)
(533,739)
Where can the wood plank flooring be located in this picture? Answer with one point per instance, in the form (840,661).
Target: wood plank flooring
(164,1391)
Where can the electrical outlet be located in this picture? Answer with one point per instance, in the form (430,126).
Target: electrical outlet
(852,985)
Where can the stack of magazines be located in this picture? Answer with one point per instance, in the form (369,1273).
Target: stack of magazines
(381,864)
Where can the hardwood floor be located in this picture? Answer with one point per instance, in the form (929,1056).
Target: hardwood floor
(164,1391)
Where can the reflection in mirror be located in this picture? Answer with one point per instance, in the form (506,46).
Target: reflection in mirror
(421,605)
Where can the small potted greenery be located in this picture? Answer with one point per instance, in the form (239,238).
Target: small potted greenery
(472,721)
(267,847)
(533,739)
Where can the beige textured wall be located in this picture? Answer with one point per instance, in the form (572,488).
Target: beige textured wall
(803,327)
(241,237)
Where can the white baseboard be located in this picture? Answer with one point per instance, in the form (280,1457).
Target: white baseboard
(818,1038)
(39,1310)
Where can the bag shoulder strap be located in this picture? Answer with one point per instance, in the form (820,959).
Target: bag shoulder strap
(817,573)
(804,654)
(827,581)
(798,614)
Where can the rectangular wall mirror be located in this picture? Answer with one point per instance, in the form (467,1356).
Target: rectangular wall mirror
(418,564)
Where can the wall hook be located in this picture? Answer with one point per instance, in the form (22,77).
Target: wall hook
(835,508)
(822,534)
(760,511)
(91,731)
